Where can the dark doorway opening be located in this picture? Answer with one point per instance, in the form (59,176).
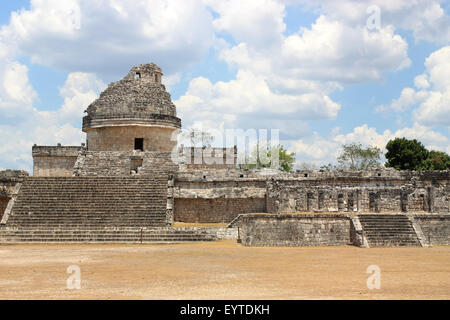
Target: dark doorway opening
(139,144)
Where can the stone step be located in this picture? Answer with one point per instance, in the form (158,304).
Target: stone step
(75,212)
(97,217)
(87,220)
(58,206)
(393,218)
(393,243)
(395,230)
(389,236)
(388,230)
(134,235)
(92,233)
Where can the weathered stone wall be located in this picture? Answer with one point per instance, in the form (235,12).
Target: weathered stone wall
(383,191)
(307,191)
(208,189)
(217,196)
(228,174)
(435,228)
(116,163)
(54,161)
(439,196)
(9,179)
(121,138)
(295,230)
(215,210)
(207,158)
(160,162)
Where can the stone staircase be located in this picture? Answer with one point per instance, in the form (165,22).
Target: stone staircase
(383,230)
(93,209)
(102,235)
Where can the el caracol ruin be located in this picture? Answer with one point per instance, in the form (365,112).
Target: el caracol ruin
(122,186)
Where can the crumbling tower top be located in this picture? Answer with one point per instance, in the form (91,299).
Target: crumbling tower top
(135,113)
(147,72)
(138,99)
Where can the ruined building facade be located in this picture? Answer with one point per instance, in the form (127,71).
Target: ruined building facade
(125,176)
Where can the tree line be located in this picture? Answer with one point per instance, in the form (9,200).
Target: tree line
(402,154)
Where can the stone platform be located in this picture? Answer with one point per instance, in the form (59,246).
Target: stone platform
(94,209)
(364,230)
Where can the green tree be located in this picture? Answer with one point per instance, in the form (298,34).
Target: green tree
(263,158)
(436,160)
(404,154)
(354,156)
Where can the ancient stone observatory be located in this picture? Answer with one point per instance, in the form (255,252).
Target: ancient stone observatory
(135,113)
(122,185)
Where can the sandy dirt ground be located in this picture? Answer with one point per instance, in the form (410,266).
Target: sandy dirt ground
(222,270)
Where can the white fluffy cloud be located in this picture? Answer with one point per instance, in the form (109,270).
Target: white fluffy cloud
(107,36)
(432,93)
(79,90)
(16,94)
(334,51)
(281,80)
(249,94)
(438,69)
(258,23)
(329,51)
(435,110)
(319,150)
(279,77)
(87,39)
(408,98)
(22,125)
(425,18)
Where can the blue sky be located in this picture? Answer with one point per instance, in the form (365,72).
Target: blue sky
(315,70)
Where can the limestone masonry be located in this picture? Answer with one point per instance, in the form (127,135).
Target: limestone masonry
(136,107)
(122,185)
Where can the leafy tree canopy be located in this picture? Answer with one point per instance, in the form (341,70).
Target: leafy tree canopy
(404,154)
(263,158)
(436,160)
(354,157)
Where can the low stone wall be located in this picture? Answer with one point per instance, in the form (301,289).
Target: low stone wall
(221,233)
(54,161)
(215,210)
(207,158)
(295,230)
(435,228)
(218,196)
(123,163)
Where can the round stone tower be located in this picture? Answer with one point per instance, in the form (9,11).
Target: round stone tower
(135,113)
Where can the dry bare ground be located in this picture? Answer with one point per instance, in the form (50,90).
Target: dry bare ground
(222,270)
